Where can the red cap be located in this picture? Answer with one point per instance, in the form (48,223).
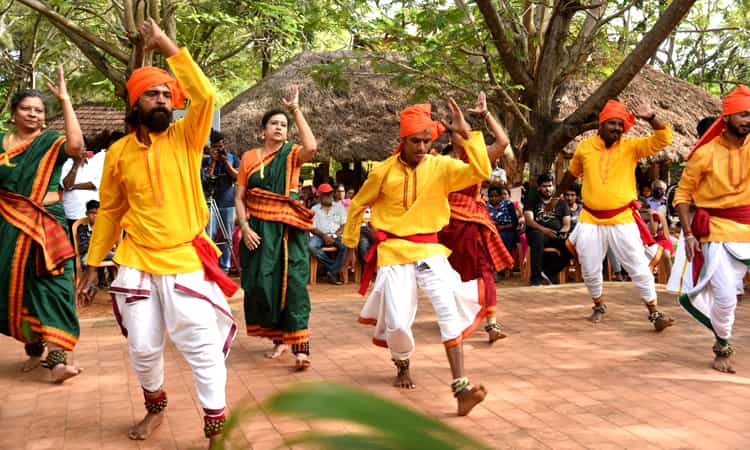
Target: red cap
(325,188)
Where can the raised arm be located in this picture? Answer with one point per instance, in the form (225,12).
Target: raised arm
(661,137)
(459,175)
(497,148)
(309,144)
(74,145)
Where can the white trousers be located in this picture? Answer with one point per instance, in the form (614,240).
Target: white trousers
(713,300)
(592,242)
(392,304)
(195,314)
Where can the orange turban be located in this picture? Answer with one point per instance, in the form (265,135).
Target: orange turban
(737,101)
(145,78)
(416,118)
(616,110)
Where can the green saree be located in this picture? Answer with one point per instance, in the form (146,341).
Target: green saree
(274,275)
(34,304)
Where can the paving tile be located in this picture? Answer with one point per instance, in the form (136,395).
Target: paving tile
(557,382)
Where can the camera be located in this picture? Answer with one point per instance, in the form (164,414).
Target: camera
(221,151)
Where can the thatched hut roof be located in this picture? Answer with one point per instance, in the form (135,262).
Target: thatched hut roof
(353,121)
(680,103)
(94,119)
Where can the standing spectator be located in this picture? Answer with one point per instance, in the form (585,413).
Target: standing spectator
(548,224)
(658,200)
(341,196)
(218,174)
(330,218)
(80,181)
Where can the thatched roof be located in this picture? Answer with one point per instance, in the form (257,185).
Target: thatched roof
(680,103)
(354,122)
(94,119)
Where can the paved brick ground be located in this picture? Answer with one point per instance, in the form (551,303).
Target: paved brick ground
(557,382)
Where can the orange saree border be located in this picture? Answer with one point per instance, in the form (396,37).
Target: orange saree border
(23,243)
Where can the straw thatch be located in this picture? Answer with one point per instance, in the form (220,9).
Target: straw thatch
(94,119)
(680,103)
(354,121)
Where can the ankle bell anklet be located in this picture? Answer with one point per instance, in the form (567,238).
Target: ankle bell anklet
(723,351)
(402,365)
(301,348)
(654,316)
(157,404)
(600,307)
(54,358)
(493,326)
(213,425)
(459,385)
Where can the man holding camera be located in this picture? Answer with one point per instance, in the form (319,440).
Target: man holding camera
(218,174)
(547,226)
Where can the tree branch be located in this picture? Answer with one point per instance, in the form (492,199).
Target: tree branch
(69,28)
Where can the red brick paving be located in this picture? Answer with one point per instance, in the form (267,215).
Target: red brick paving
(557,382)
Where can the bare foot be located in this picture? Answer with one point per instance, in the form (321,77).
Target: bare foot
(403,380)
(723,364)
(143,429)
(596,316)
(496,335)
(302,363)
(469,398)
(32,363)
(663,322)
(277,351)
(62,372)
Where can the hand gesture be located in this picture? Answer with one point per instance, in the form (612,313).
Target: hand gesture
(88,278)
(481,108)
(151,35)
(250,238)
(292,96)
(692,246)
(458,124)
(641,109)
(61,90)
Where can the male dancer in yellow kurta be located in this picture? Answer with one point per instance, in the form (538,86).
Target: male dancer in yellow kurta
(408,194)
(169,278)
(717,179)
(610,218)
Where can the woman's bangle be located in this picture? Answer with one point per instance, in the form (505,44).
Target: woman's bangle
(243,222)
(293,108)
(63,97)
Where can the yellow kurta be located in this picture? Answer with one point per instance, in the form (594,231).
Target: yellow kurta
(408,201)
(154,192)
(609,173)
(718,176)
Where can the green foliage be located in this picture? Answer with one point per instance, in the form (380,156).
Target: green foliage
(383,424)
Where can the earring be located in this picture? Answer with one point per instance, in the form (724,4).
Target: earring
(44,125)
(12,120)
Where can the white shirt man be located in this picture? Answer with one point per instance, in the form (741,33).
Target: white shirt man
(76,196)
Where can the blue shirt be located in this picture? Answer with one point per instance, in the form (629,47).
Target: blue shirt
(504,214)
(224,194)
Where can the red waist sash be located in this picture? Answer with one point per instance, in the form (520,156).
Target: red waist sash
(211,268)
(634,206)
(371,258)
(701,226)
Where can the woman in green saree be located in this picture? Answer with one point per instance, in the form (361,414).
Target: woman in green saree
(273,256)
(37,306)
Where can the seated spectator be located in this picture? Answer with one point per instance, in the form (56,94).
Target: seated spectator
(571,196)
(83,235)
(645,195)
(547,225)
(503,213)
(340,197)
(658,200)
(329,222)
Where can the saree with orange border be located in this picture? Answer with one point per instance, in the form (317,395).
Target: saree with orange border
(36,299)
(274,275)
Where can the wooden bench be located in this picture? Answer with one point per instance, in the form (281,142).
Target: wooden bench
(344,270)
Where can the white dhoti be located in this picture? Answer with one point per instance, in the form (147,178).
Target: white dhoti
(391,306)
(713,299)
(195,314)
(591,243)
(681,278)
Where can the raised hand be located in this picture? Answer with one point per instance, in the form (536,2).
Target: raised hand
(481,108)
(153,37)
(641,109)
(61,90)
(458,124)
(291,97)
